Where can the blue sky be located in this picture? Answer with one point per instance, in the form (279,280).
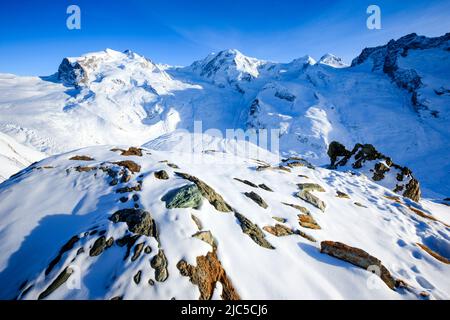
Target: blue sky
(34,37)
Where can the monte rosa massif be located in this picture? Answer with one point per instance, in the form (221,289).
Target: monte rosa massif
(108,191)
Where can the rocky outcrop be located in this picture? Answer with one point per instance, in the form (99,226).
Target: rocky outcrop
(100,245)
(307,221)
(188,196)
(206,274)
(306,195)
(212,196)
(159,263)
(130,165)
(81,158)
(365,158)
(385,59)
(358,257)
(161,174)
(249,183)
(257,198)
(59,281)
(138,221)
(253,231)
(278,230)
(132,151)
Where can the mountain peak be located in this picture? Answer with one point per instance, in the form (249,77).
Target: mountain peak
(332,61)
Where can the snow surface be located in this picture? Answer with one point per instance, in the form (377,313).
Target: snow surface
(33,231)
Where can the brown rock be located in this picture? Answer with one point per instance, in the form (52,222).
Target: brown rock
(434,254)
(279,230)
(253,231)
(296,206)
(357,257)
(130,165)
(307,221)
(81,158)
(132,151)
(161,174)
(206,274)
(340,194)
(137,251)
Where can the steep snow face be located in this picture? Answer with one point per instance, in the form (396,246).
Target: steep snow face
(116,236)
(227,67)
(332,61)
(15,156)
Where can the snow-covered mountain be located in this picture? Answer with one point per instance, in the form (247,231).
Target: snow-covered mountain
(359,182)
(393,96)
(149,224)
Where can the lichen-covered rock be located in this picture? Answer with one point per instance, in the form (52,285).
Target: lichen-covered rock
(298,207)
(159,263)
(253,231)
(161,174)
(188,196)
(206,274)
(138,221)
(311,199)
(212,196)
(257,198)
(357,257)
(310,187)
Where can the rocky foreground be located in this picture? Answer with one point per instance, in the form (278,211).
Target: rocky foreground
(133,223)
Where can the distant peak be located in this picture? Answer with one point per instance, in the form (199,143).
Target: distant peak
(332,61)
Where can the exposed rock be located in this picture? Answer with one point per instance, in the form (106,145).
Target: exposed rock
(293,162)
(132,151)
(253,231)
(279,230)
(123,199)
(147,250)
(159,263)
(312,199)
(357,257)
(206,274)
(137,187)
(305,235)
(296,206)
(84,169)
(188,196)
(434,254)
(249,183)
(310,187)
(263,186)
(197,222)
(279,219)
(129,241)
(212,196)
(303,176)
(135,197)
(172,165)
(126,176)
(130,165)
(360,205)
(81,158)
(59,281)
(366,157)
(137,277)
(66,247)
(137,251)
(255,197)
(161,174)
(307,221)
(343,195)
(100,245)
(207,237)
(138,221)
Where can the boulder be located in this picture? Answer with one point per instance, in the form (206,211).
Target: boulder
(311,199)
(307,221)
(253,231)
(188,196)
(278,230)
(357,257)
(159,263)
(212,196)
(161,174)
(256,197)
(138,221)
(206,274)
(130,165)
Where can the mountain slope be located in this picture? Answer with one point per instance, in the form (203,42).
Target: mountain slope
(15,156)
(393,97)
(127,230)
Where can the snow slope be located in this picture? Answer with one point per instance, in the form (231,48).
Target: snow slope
(33,232)
(15,156)
(394,96)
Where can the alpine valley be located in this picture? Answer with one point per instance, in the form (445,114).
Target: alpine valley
(108,191)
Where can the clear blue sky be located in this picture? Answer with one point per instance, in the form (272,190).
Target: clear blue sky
(34,37)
